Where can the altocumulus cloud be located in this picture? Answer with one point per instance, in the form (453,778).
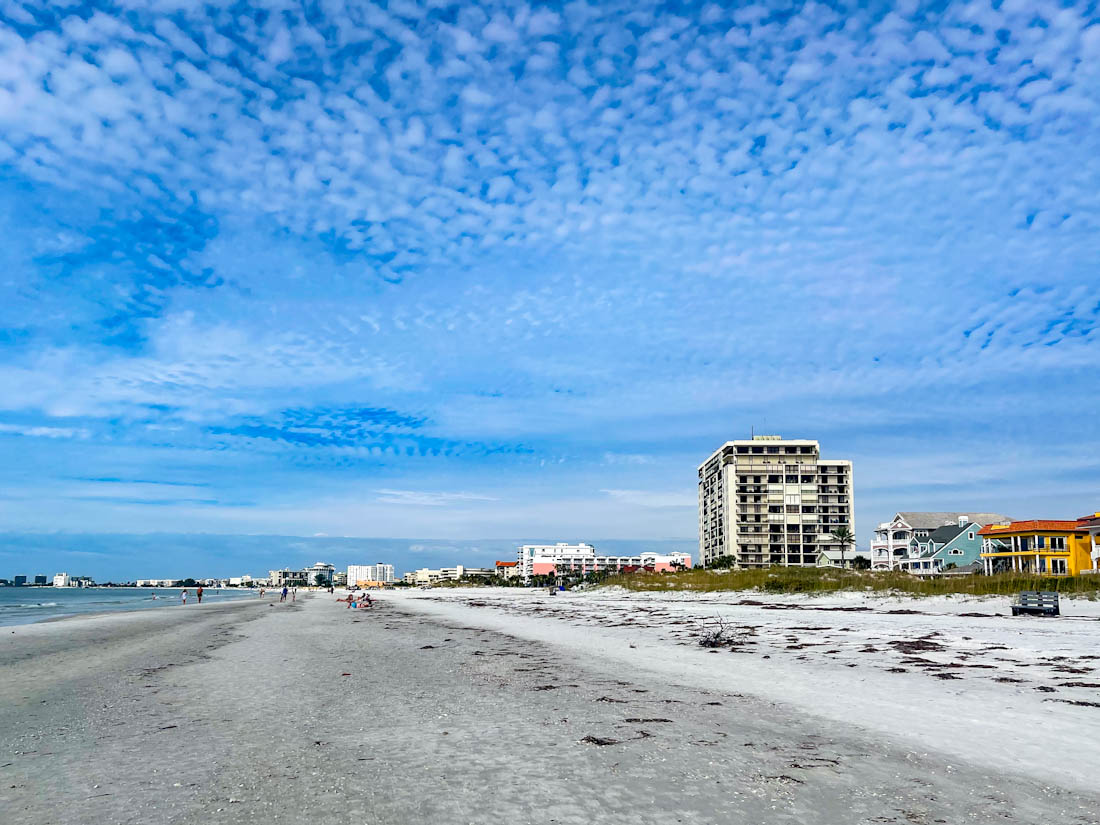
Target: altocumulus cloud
(369,241)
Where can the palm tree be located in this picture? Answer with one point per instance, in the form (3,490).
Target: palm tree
(845,538)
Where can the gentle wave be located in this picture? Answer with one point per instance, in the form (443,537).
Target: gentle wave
(29,605)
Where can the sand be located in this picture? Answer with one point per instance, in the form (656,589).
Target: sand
(241,713)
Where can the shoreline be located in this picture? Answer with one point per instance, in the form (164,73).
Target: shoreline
(62,611)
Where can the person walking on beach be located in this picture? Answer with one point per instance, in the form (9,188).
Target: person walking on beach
(183,597)
(294,595)
(283,597)
(198,594)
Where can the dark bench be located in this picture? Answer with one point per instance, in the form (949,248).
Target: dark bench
(1036,602)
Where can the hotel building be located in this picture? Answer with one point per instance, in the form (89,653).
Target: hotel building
(772,501)
(319,575)
(549,559)
(363,574)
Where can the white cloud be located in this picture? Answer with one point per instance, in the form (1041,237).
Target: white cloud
(422,498)
(469,225)
(44,432)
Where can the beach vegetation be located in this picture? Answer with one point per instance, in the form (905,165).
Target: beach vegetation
(715,634)
(832,580)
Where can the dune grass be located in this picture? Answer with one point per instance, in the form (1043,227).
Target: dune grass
(817,580)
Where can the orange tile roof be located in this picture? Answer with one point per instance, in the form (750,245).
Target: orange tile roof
(1033,526)
(507,563)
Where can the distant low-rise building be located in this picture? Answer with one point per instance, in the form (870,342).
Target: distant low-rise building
(552,559)
(319,575)
(478,572)
(508,569)
(833,557)
(287,577)
(65,580)
(426,575)
(159,582)
(901,538)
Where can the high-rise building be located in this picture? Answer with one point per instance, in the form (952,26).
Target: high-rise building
(772,501)
(362,573)
(40,580)
(20,581)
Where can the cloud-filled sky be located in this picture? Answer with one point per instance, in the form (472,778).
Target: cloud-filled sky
(494,269)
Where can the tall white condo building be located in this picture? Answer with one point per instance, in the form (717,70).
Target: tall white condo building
(370,573)
(769,500)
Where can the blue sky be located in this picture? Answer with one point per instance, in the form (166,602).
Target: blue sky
(503,270)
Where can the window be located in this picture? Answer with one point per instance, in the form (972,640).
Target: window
(1058,543)
(1058,566)
(1040,542)
(955,551)
(970,535)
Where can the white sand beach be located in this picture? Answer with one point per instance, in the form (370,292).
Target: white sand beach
(487,706)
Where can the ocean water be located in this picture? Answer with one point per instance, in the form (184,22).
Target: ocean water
(23,605)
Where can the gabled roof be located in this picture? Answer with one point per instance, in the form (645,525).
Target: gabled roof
(942,535)
(835,555)
(939,538)
(930,521)
(1033,526)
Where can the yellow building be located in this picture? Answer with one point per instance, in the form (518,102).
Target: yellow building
(1045,548)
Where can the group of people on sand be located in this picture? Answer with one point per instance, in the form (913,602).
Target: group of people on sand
(356,600)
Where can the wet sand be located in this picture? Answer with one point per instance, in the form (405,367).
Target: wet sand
(310,713)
